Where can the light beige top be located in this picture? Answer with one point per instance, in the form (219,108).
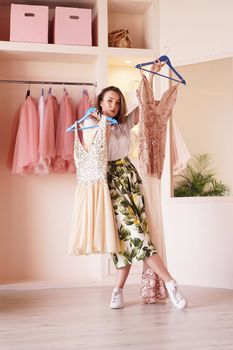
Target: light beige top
(119,142)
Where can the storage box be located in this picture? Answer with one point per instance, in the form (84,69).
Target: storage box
(29,23)
(72,26)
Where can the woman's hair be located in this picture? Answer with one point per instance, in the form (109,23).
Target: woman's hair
(120,117)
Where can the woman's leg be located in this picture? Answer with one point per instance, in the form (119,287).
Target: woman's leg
(117,301)
(176,295)
(157,266)
(121,276)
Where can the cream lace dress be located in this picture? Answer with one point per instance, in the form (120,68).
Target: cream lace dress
(93,227)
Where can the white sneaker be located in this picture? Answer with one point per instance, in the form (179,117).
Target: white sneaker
(175,294)
(117,299)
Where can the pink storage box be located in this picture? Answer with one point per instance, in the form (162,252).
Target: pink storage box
(29,23)
(72,26)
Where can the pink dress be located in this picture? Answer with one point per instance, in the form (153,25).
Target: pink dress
(41,167)
(14,131)
(82,106)
(47,147)
(84,103)
(153,127)
(27,140)
(64,161)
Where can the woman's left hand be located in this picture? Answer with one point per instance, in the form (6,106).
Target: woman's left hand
(96,115)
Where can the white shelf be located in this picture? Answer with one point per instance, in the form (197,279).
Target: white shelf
(18,51)
(118,56)
(132,7)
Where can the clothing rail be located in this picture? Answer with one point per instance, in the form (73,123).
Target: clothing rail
(29,82)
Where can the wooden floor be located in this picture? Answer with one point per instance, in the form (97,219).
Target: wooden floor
(80,318)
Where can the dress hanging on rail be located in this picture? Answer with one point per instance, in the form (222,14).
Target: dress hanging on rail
(47,147)
(48,122)
(84,103)
(154,116)
(41,167)
(14,131)
(93,226)
(26,154)
(64,141)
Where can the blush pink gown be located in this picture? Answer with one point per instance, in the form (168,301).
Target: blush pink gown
(47,146)
(82,106)
(64,161)
(26,154)
(152,141)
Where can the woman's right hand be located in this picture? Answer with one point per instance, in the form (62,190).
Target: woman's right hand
(156,66)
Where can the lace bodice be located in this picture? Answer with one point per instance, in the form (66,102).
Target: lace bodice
(91,165)
(153,127)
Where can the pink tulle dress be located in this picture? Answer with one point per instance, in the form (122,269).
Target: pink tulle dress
(64,161)
(84,103)
(47,146)
(27,139)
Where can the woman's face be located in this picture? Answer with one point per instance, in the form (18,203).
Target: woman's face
(111,104)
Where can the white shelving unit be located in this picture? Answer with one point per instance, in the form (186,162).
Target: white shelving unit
(139,17)
(47,52)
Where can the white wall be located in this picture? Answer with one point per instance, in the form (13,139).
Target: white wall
(198,232)
(205,108)
(199,236)
(196,31)
(199,240)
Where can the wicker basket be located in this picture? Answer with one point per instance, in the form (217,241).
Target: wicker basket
(119,38)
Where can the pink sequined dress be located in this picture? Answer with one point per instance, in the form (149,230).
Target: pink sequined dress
(154,116)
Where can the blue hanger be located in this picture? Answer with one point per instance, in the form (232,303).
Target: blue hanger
(86,115)
(168,62)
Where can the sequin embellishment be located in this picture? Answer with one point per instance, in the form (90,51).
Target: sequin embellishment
(91,165)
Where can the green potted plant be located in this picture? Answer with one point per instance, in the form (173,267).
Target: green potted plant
(197,179)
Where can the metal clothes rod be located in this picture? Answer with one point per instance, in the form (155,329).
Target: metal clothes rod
(29,82)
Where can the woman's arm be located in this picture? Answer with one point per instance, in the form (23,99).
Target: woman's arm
(133,117)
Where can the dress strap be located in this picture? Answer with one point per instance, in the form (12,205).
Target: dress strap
(104,131)
(76,136)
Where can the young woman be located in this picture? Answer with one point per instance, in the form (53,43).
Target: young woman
(128,202)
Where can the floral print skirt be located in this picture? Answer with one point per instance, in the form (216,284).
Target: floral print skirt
(128,204)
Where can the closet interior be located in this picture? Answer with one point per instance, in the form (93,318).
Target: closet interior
(35,210)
